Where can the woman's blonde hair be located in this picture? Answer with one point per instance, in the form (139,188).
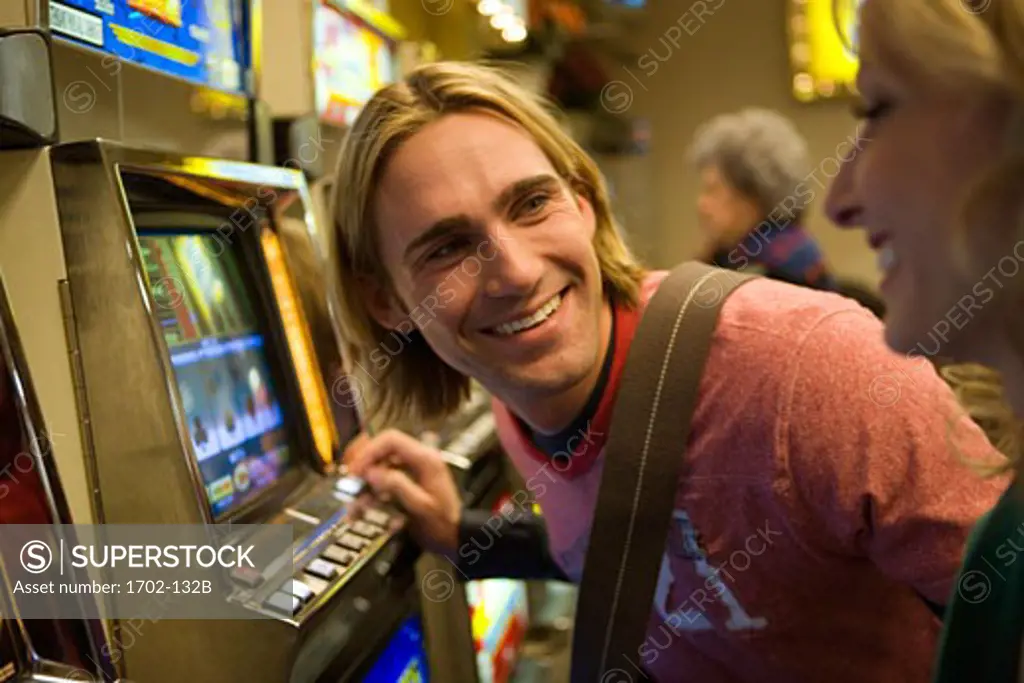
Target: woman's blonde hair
(414,382)
(966,47)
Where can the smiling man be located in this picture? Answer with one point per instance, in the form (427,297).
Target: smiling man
(818,527)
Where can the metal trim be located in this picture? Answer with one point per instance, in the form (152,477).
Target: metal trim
(81,404)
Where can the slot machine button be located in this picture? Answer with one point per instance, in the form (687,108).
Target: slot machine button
(247,576)
(314,584)
(351,486)
(338,554)
(323,569)
(283,603)
(377,517)
(299,590)
(352,542)
(366,530)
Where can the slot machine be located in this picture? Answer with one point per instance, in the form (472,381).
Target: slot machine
(30,492)
(233,425)
(171,355)
(65,649)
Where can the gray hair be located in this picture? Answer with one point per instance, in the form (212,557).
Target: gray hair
(758,151)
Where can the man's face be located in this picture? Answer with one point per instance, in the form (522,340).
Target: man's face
(491,257)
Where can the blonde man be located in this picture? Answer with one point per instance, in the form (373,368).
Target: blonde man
(818,516)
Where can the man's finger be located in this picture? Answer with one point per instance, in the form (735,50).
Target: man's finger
(354,447)
(395,448)
(398,484)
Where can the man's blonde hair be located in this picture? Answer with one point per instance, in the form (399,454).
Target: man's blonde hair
(964,47)
(414,382)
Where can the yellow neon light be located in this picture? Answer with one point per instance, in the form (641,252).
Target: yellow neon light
(823,64)
(381,21)
(154,46)
(314,395)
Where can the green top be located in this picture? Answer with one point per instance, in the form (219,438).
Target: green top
(985,620)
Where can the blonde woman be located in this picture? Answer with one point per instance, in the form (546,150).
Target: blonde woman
(938,190)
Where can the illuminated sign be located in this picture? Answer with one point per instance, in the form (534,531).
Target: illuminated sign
(165,10)
(202,41)
(823,35)
(351,62)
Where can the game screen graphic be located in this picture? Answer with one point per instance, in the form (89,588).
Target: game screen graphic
(405,658)
(203,41)
(499,619)
(220,365)
(351,63)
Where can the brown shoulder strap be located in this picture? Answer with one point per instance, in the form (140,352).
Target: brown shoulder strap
(642,465)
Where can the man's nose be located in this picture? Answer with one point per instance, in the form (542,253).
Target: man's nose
(510,264)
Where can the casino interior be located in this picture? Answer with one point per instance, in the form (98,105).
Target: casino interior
(184,385)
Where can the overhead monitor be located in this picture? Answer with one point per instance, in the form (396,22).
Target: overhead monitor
(202,41)
(823,39)
(404,659)
(222,360)
(352,61)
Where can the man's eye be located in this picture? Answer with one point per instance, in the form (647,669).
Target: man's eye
(444,251)
(534,204)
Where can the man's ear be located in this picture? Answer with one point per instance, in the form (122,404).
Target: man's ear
(383,306)
(579,194)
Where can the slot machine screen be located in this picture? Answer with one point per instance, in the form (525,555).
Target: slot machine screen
(404,659)
(221,362)
(203,41)
(351,63)
(498,615)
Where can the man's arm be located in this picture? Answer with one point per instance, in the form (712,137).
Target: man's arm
(876,444)
(492,545)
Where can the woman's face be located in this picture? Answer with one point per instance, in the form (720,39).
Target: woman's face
(725,215)
(924,148)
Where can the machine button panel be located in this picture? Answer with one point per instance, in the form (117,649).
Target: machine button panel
(377,517)
(352,542)
(323,569)
(299,590)
(340,555)
(366,530)
(284,603)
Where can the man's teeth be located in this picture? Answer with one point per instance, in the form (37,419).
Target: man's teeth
(887,259)
(545,312)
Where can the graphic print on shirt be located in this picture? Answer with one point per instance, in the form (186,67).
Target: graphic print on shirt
(685,543)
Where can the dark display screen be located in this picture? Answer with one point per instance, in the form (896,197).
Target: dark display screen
(221,364)
(203,41)
(404,660)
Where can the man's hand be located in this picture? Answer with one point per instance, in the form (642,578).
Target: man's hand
(397,465)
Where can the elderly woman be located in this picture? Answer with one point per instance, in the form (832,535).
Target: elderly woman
(751,164)
(939,191)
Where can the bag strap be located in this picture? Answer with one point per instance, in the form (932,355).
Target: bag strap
(642,465)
